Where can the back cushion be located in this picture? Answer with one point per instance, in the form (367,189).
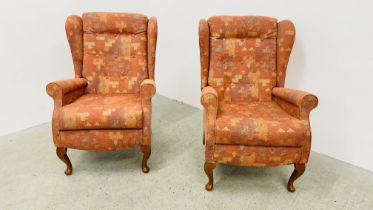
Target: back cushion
(115,52)
(242,57)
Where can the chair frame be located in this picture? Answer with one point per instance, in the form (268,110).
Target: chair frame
(67,91)
(296,103)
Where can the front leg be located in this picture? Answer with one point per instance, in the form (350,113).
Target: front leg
(61,153)
(298,171)
(209,167)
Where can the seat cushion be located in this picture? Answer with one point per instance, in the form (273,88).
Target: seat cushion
(258,124)
(97,111)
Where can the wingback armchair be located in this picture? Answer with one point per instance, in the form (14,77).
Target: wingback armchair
(250,119)
(108,104)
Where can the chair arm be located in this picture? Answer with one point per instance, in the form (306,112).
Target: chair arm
(209,100)
(65,86)
(63,91)
(147,88)
(303,101)
(209,97)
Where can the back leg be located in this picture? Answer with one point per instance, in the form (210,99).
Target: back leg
(146,150)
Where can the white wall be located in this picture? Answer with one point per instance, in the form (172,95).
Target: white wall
(332,58)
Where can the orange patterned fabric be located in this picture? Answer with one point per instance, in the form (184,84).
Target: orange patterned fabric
(65,91)
(242,27)
(114,23)
(147,88)
(147,91)
(258,124)
(256,156)
(108,105)
(97,111)
(285,41)
(204,44)
(298,104)
(115,52)
(242,58)
(249,118)
(74,33)
(303,101)
(209,100)
(152,43)
(100,139)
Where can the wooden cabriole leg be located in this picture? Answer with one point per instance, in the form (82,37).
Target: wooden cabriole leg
(146,150)
(209,167)
(203,138)
(298,171)
(61,153)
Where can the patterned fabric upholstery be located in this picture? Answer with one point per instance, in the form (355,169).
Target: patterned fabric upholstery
(249,118)
(108,104)
(115,52)
(257,156)
(100,139)
(97,111)
(242,58)
(258,124)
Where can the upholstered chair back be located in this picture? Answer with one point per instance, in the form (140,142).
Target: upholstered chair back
(243,64)
(112,53)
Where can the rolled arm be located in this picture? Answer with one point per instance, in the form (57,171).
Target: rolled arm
(147,88)
(65,86)
(66,91)
(288,98)
(209,97)
(209,100)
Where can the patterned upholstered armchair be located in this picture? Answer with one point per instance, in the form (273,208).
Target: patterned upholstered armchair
(250,119)
(108,104)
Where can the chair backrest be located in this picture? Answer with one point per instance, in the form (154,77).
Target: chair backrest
(244,59)
(110,50)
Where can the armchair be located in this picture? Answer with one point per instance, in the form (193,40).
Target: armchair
(250,119)
(108,104)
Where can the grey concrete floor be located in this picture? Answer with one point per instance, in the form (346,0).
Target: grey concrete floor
(31,175)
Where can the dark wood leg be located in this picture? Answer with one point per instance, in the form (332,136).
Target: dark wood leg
(209,167)
(203,138)
(61,153)
(147,151)
(298,171)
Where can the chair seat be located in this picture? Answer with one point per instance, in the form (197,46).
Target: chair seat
(258,124)
(98,111)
